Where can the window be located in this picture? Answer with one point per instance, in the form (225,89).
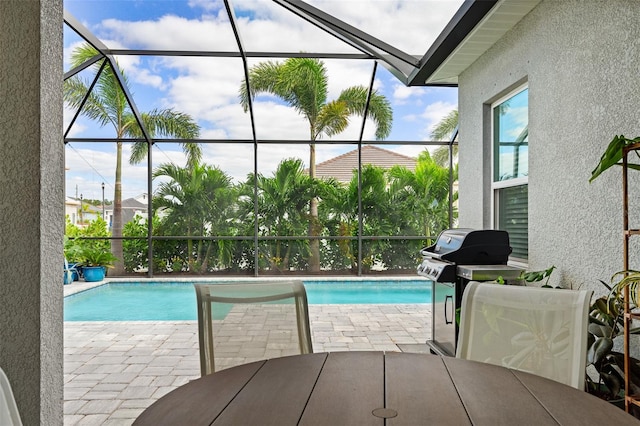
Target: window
(510,135)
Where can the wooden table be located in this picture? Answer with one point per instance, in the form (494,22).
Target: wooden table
(362,388)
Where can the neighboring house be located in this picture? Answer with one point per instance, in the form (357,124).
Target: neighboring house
(80,213)
(142,198)
(72,209)
(130,208)
(546,84)
(342,167)
(90,213)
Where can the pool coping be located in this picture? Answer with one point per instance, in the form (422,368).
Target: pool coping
(81,286)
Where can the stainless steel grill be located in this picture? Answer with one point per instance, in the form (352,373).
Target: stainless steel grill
(459,256)
(463,247)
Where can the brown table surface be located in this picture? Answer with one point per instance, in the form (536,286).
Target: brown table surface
(346,388)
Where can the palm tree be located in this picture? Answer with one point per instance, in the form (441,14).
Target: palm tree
(108,105)
(423,192)
(443,131)
(283,202)
(340,206)
(302,84)
(199,200)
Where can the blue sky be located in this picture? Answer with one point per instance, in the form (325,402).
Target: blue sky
(207,88)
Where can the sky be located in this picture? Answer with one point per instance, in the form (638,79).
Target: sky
(207,88)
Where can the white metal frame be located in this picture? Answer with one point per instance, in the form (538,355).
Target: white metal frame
(496,185)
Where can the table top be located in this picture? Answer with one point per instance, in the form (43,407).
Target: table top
(377,388)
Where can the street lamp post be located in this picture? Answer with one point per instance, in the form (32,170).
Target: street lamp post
(81,210)
(103,215)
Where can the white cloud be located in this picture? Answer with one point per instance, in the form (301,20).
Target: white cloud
(89,164)
(518,118)
(170,32)
(404,95)
(344,74)
(78,126)
(410,118)
(204,83)
(144,76)
(213,134)
(435,112)
(410,25)
(135,69)
(401,92)
(409,150)
(207,5)
(207,88)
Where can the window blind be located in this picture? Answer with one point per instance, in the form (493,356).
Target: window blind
(513,206)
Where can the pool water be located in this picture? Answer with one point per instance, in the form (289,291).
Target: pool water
(155,301)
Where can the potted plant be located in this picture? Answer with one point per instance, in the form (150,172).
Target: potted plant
(606,323)
(94,262)
(611,311)
(71,255)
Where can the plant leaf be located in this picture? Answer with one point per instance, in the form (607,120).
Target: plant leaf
(599,350)
(612,382)
(599,330)
(612,155)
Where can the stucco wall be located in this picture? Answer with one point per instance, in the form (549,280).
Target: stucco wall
(581,61)
(31,206)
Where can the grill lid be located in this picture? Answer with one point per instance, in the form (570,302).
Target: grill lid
(470,247)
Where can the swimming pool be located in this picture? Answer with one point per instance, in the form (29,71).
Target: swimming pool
(173,301)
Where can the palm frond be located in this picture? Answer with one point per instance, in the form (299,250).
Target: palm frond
(332,119)
(445,127)
(262,79)
(166,122)
(379,110)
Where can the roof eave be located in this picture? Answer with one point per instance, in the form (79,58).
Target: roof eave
(475,27)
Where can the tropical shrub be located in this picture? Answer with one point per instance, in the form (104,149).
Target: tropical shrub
(77,239)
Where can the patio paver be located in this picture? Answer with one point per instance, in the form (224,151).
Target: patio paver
(114,370)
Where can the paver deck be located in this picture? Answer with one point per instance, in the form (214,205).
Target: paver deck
(114,370)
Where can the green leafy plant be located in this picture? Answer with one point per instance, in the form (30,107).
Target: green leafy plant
(90,256)
(613,155)
(535,276)
(78,239)
(606,323)
(626,279)
(72,249)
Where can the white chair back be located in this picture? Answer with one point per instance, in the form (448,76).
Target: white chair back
(241,322)
(9,415)
(538,330)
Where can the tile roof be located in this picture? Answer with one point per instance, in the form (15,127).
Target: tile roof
(132,203)
(341,167)
(130,206)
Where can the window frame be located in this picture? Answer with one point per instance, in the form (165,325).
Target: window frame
(497,185)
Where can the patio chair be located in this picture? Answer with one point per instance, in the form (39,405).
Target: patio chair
(9,415)
(240,322)
(538,330)
(70,273)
